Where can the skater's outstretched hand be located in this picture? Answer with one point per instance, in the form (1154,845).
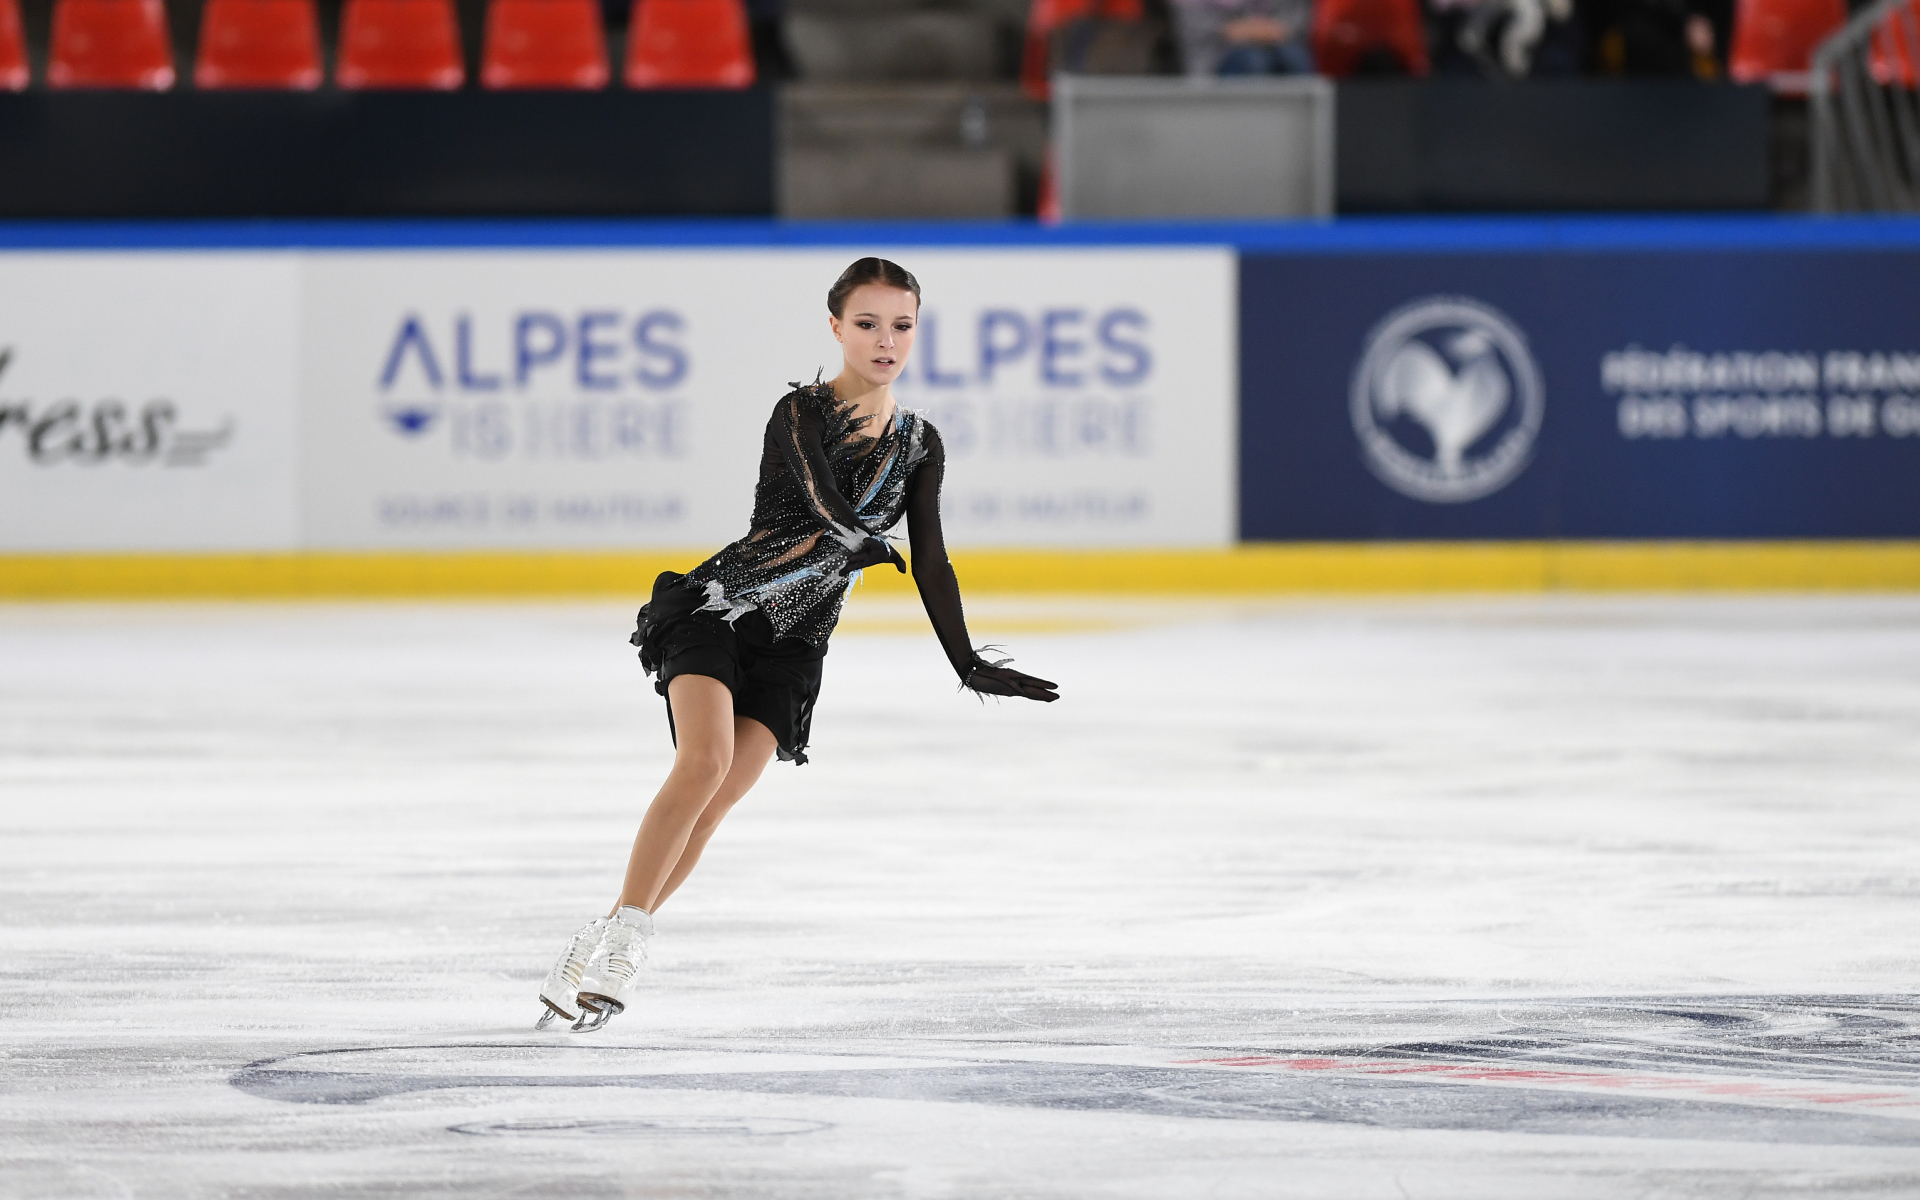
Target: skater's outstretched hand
(873,552)
(991,680)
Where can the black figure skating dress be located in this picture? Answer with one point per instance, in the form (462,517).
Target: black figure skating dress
(757,615)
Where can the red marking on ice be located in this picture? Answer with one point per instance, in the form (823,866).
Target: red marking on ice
(1764,1091)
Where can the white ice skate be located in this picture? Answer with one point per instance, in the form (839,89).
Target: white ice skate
(560,993)
(608,979)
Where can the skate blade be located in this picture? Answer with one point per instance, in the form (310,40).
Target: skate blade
(553,1010)
(595,1012)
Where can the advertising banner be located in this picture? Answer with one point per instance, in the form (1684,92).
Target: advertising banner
(505,399)
(1100,396)
(600,398)
(1086,397)
(1580,395)
(147,402)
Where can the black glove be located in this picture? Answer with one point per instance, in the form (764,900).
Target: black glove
(873,552)
(998,679)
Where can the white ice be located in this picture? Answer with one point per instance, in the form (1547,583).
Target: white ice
(1540,897)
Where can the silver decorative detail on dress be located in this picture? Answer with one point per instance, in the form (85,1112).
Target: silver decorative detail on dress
(792,565)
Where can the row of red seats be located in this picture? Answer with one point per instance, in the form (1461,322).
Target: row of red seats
(1774,38)
(385,44)
(692,43)
(1770,37)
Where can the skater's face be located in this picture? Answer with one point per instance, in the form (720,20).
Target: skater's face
(876,331)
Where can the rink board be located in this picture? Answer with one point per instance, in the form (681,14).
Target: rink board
(493,399)
(391,408)
(1627,394)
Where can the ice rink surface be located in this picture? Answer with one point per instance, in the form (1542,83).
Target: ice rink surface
(1538,897)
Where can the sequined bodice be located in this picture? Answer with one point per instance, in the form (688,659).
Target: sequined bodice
(825,487)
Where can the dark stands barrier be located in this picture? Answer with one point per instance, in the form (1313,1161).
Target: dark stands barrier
(1578,144)
(1403,145)
(334,153)
(1655,387)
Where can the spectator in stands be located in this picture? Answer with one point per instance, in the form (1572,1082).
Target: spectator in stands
(1660,37)
(1245,37)
(1513,39)
(770,57)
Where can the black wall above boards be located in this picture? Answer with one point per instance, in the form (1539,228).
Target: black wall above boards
(335,153)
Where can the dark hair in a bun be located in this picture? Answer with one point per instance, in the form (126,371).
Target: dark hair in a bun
(865,271)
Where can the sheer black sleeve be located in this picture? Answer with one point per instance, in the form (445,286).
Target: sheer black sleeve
(932,572)
(799,430)
(940,588)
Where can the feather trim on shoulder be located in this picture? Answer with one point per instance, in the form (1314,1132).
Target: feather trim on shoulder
(839,427)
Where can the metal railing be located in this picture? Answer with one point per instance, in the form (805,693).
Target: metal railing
(1866,112)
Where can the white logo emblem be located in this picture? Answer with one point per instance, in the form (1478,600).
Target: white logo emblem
(1446,400)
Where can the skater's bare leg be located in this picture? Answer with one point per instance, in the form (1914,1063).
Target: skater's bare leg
(753,748)
(703,723)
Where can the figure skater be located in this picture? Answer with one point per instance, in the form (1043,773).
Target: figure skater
(737,642)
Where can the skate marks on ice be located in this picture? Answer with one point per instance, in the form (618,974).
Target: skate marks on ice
(1805,1070)
(644,1127)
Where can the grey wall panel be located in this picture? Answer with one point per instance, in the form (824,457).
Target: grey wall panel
(896,181)
(1154,147)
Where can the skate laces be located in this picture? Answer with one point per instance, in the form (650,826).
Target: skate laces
(623,947)
(580,950)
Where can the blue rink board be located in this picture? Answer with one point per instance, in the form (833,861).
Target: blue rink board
(1764,378)
(1683,393)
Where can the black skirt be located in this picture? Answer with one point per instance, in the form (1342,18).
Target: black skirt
(774,681)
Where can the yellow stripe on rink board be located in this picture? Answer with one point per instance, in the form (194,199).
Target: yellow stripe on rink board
(329,575)
(1259,569)
(1454,567)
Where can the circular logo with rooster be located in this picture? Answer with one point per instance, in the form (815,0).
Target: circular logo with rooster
(1446,400)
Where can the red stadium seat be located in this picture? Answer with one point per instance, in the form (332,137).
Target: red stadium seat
(1045,16)
(400,44)
(110,44)
(259,44)
(689,44)
(1895,45)
(13,49)
(1777,37)
(1347,32)
(544,44)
